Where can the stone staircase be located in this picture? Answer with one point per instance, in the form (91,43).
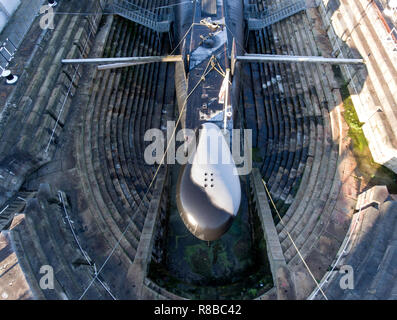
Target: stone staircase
(120,106)
(295,111)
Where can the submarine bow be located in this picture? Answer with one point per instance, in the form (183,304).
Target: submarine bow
(208,189)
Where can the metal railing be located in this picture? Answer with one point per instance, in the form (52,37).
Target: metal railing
(392,38)
(11,38)
(392,32)
(97,15)
(159,22)
(5,208)
(7,52)
(260,20)
(86,257)
(344,249)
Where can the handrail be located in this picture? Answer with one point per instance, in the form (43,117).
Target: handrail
(65,99)
(384,22)
(259,20)
(159,22)
(8,54)
(328,275)
(87,258)
(272,11)
(2,211)
(134,8)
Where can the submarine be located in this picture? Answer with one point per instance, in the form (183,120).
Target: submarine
(209,37)
(208,193)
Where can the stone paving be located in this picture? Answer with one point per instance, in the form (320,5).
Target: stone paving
(13,284)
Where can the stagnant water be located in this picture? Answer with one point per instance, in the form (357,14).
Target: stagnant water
(233,267)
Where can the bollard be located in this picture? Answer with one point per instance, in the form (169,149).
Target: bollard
(10,78)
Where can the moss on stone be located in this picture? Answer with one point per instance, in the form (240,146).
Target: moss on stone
(372,173)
